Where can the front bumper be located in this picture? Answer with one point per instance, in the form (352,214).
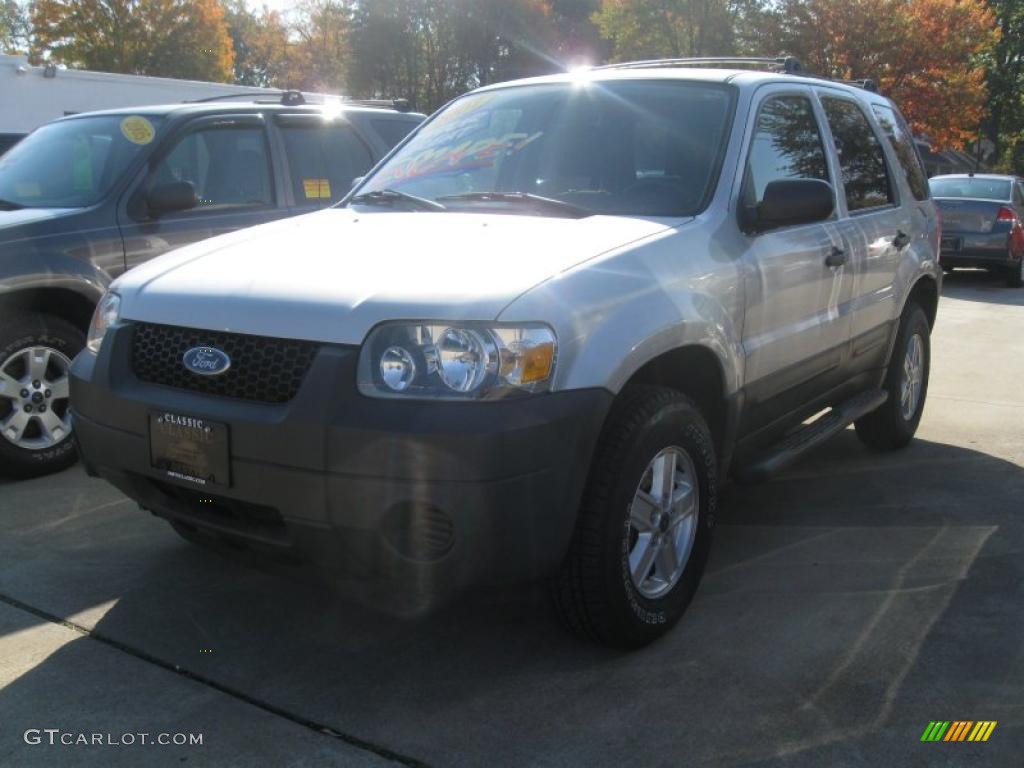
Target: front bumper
(439,494)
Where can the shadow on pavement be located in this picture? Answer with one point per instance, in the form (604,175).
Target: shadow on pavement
(848,602)
(981,285)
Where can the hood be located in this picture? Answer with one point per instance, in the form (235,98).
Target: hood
(11,220)
(332,275)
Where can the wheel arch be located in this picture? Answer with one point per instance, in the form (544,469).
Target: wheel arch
(71,305)
(696,371)
(926,293)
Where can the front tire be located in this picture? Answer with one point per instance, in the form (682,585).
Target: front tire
(893,424)
(645,525)
(35,426)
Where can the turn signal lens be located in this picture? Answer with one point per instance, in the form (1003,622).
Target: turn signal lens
(107,313)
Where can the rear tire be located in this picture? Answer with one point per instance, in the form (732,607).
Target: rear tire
(893,424)
(35,354)
(652,493)
(1015,275)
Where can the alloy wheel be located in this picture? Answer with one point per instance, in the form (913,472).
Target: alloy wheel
(34,391)
(663,522)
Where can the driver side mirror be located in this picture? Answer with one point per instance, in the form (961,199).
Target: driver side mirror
(175,196)
(789,202)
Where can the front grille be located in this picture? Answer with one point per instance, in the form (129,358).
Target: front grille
(262,369)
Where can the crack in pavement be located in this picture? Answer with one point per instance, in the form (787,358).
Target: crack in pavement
(326,730)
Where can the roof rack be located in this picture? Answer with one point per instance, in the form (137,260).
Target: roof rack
(294,98)
(866,83)
(787,64)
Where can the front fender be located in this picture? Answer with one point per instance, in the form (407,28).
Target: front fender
(614,315)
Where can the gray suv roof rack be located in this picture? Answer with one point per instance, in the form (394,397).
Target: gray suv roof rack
(787,64)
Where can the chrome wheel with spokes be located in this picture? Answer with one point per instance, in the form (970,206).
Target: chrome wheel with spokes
(913,377)
(34,389)
(663,522)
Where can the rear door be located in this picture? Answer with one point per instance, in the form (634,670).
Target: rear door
(797,327)
(875,230)
(322,159)
(227,159)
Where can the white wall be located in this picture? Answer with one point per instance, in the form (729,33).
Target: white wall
(28,98)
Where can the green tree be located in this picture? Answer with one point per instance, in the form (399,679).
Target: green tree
(319,54)
(167,38)
(260,42)
(1004,122)
(649,29)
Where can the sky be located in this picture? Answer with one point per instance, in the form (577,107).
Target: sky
(280,6)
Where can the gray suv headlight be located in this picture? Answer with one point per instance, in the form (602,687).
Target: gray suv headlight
(456,361)
(107,313)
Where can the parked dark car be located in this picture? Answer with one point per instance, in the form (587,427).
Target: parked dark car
(982,217)
(87,197)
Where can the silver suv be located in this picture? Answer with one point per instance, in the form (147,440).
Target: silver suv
(536,340)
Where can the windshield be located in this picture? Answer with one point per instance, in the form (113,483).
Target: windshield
(977,189)
(73,163)
(637,148)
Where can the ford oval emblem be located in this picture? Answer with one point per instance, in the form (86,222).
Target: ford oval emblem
(206,361)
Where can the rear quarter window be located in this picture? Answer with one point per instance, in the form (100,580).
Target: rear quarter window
(902,140)
(392,131)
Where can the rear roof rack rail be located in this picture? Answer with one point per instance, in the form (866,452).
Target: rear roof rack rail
(786,64)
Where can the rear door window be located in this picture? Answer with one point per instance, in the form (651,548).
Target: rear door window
(861,157)
(323,160)
(229,167)
(902,140)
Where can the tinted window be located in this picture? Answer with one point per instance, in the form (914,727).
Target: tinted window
(323,159)
(73,163)
(393,131)
(902,140)
(229,167)
(1018,195)
(786,145)
(861,158)
(973,188)
(615,147)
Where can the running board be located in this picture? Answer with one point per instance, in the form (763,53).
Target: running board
(793,445)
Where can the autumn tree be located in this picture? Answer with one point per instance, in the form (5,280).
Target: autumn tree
(650,29)
(925,54)
(260,42)
(167,38)
(14,27)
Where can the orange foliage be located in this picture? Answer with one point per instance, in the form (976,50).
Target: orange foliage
(924,54)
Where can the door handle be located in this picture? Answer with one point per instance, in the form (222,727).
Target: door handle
(901,241)
(836,257)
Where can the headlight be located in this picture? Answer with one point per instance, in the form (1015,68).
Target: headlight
(106,314)
(465,361)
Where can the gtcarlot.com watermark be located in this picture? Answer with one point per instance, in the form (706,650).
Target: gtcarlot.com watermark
(57,737)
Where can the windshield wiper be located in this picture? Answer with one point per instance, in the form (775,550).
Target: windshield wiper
(10,205)
(392,196)
(555,206)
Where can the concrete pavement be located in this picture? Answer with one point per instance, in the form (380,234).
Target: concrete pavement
(849,601)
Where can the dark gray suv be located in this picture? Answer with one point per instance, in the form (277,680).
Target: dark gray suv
(88,197)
